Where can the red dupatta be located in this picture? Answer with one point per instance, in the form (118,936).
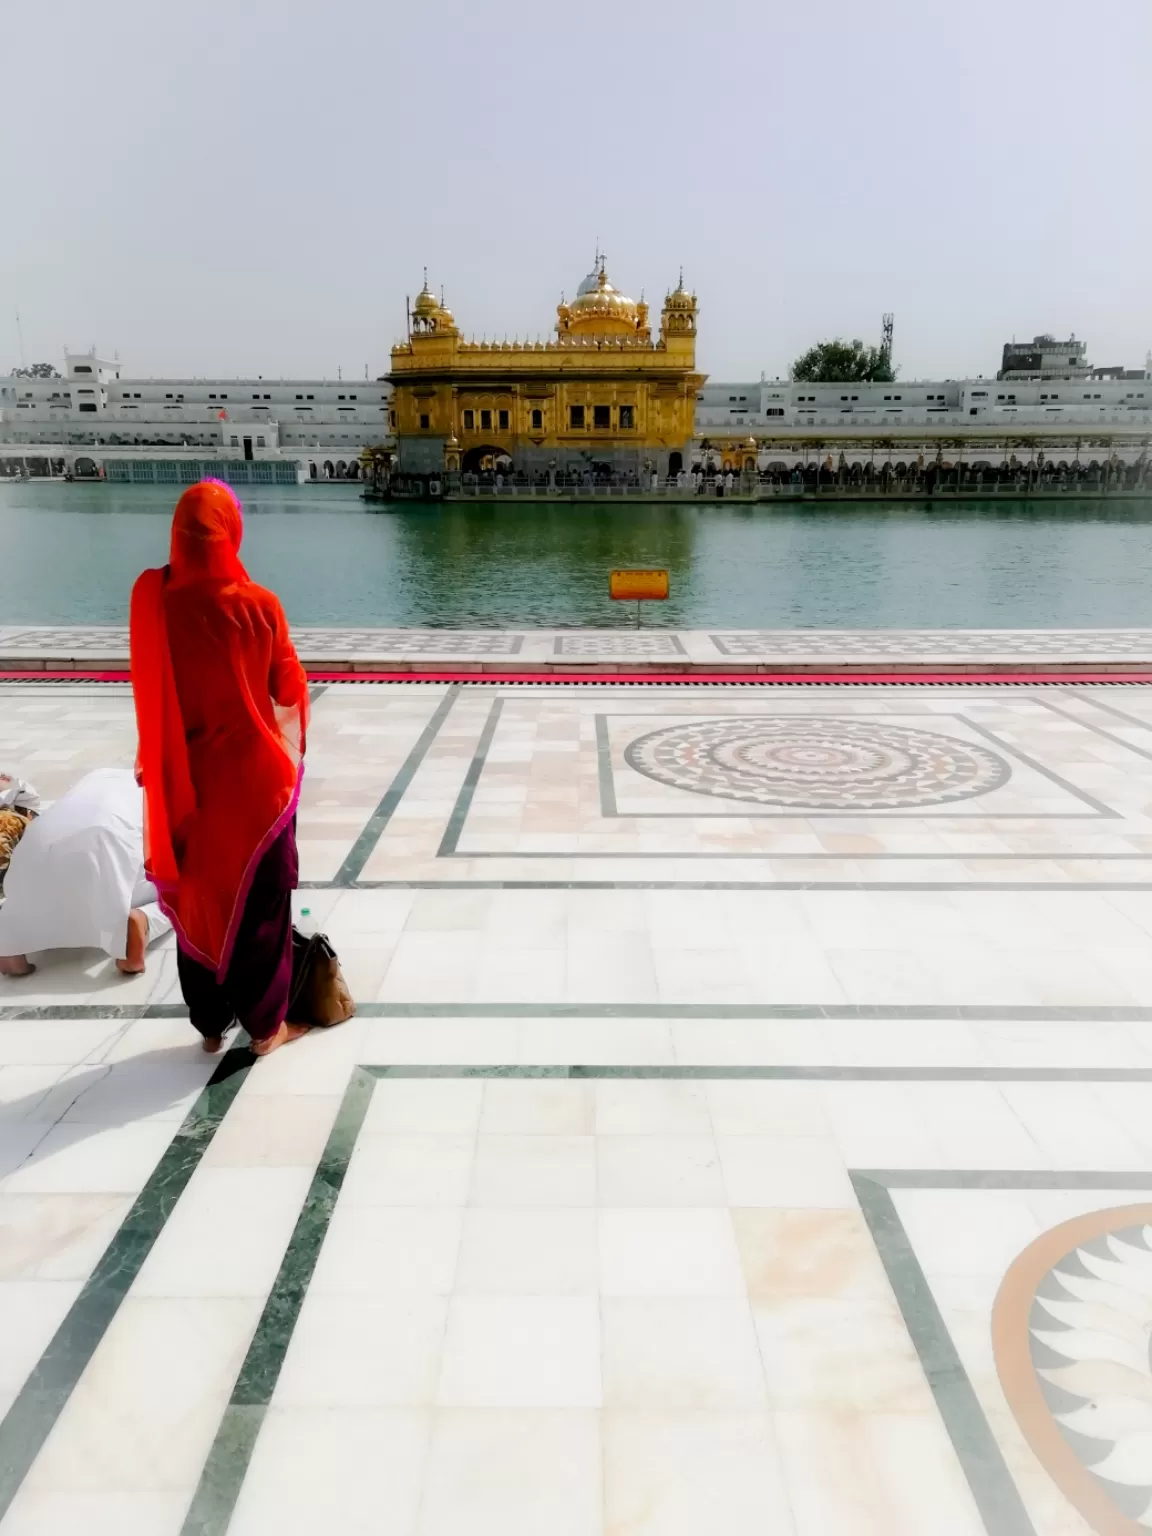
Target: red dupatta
(220,755)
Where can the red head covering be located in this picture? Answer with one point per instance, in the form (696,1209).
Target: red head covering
(221,709)
(206,531)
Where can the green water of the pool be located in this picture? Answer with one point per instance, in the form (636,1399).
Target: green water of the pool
(69,554)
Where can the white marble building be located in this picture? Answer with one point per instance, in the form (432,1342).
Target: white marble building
(97,416)
(980,419)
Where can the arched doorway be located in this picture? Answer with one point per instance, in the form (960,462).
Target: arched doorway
(675,463)
(485,458)
(328,470)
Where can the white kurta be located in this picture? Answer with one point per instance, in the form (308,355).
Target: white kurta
(74,872)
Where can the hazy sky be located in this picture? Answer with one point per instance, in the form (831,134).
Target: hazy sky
(252,186)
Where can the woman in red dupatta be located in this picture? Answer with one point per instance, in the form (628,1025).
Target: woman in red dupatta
(221,710)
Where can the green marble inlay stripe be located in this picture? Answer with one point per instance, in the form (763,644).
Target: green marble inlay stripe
(604,768)
(227,1463)
(29,1421)
(991,1483)
(456,820)
(361,849)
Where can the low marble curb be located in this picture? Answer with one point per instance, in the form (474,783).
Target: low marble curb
(455,666)
(646,651)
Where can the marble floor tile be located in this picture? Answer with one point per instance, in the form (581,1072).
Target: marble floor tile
(42,1041)
(273,1131)
(521,1352)
(839,1353)
(526,1107)
(442,1106)
(658,1170)
(365,1351)
(528,1251)
(514,1472)
(669,1473)
(784,1171)
(534,1170)
(808,1253)
(598,1042)
(139,1091)
(409,1170)
(371,1250)
(56,1236)
(873,1474)
(1073,1128)
(766,1109)
(41,1092)
(91,1159)
(947,1237)
(652,1108)
(96,1514)
(668,1252)
(359,1471)
(683,1354)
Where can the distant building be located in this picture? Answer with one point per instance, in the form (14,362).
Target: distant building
(1044,357)
(94,421)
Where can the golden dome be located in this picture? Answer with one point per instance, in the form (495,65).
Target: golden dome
(426,303)
(599,309)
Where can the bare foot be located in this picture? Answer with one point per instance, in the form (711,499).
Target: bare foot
(15,965)
(211,1044)
(133,962)
(282,1036)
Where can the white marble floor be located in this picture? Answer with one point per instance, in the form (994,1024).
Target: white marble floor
(746,1127)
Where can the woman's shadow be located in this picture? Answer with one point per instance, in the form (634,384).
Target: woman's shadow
(106,1096)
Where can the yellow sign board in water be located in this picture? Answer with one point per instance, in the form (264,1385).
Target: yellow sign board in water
(638,586)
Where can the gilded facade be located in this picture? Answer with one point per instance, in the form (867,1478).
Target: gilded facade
(603,396)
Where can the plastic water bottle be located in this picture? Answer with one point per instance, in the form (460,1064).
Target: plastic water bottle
(307,924)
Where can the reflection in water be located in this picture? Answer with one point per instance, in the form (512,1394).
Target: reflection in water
(71,553)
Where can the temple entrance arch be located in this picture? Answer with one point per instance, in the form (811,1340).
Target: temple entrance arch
(675,463)
(486,458)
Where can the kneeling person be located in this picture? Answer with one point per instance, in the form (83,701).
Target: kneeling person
(76,878)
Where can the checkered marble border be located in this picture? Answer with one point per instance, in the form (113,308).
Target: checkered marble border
(953,643)
(833,645)
(597,644)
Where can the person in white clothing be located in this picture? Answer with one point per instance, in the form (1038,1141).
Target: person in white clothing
(76,879)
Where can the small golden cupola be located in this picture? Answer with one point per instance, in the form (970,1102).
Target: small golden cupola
(679,317)
(430,315)
(598,309)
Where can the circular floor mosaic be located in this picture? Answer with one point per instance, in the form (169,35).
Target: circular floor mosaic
(818,764)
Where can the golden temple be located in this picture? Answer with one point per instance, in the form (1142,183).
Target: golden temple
(600,398)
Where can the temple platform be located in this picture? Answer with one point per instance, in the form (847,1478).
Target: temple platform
(746,1126)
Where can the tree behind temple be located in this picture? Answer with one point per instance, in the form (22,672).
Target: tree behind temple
(36,371)
(843,362)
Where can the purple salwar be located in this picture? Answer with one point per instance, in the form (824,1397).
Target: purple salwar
(257,982)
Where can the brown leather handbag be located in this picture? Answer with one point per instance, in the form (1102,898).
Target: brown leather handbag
(320,995)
